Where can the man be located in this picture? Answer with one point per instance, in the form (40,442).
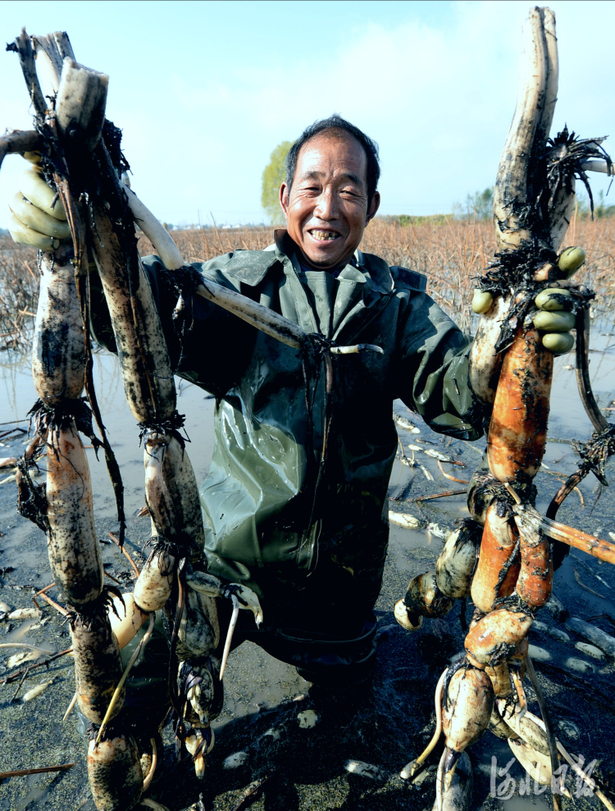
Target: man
(295,504)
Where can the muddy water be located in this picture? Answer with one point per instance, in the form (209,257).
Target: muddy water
(263,758)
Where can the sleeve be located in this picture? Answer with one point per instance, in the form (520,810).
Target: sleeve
(207,345)
(434,370)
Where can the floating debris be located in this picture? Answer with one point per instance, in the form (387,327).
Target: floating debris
(37,690)
(438,531)
(592,634)
(404,520)
(441,457)
(307,719)
(539,654)
(428,475)
(273,733)
(406,425)
(579,665)
(236,760)
(405,460)
(363,769)
(570,729)
(21,658)
(25,614)
(590,650)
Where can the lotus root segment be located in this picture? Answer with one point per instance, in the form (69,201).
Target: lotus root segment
(98,665)
(74,551)
(114,772)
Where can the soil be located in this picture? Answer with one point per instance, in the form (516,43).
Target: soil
(352,757)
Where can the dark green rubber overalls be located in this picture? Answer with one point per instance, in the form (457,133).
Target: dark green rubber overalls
(308,531)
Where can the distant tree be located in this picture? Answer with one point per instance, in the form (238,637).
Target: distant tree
(601,209)
(478,206)
(273,175)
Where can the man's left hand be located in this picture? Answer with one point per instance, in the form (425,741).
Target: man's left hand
(555,318)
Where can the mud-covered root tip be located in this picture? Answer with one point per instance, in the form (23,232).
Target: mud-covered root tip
(114,771)
(407,619)
(449,765)
(98,664)
(423,599)
(199,741)
(454,789)
(457,561)
(155,583)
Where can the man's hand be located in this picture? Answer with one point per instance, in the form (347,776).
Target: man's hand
(554,317)
(37,214)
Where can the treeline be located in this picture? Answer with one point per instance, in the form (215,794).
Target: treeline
(416,219)
(479,206)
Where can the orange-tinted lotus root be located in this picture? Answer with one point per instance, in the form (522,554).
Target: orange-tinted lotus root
(467,707)
(535,581)
(496,636)
(495,575)
(518,429)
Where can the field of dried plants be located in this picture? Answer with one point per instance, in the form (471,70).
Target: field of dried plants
(450,254)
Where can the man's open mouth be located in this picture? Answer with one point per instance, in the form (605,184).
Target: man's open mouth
(324,236)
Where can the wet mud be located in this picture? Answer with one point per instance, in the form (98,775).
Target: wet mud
(279,743)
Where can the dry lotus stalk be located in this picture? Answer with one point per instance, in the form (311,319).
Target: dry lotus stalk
(528,132)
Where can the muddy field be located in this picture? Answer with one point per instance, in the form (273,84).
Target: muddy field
(351,758)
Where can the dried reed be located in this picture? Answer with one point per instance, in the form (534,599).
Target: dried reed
(451,254)
(18,294)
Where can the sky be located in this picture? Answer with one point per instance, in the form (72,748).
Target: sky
(204,91)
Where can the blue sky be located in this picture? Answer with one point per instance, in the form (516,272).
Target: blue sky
(203,91)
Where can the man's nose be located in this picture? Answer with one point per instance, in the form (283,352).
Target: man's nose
(327,206)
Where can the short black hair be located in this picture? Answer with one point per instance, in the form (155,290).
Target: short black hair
(336,122)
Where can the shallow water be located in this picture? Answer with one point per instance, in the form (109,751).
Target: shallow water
(303,769)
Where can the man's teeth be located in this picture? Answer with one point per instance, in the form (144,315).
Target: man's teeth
(323,235)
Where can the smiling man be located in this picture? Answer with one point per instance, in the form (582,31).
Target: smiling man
(295,503)
(330,193)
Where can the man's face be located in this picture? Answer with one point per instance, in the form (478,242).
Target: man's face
(326,210)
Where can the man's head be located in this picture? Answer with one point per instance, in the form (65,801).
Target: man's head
(330,194)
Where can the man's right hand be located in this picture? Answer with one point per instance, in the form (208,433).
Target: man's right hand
(37,215)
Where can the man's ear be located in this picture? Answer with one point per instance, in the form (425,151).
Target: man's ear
(283,197)
(373,207)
